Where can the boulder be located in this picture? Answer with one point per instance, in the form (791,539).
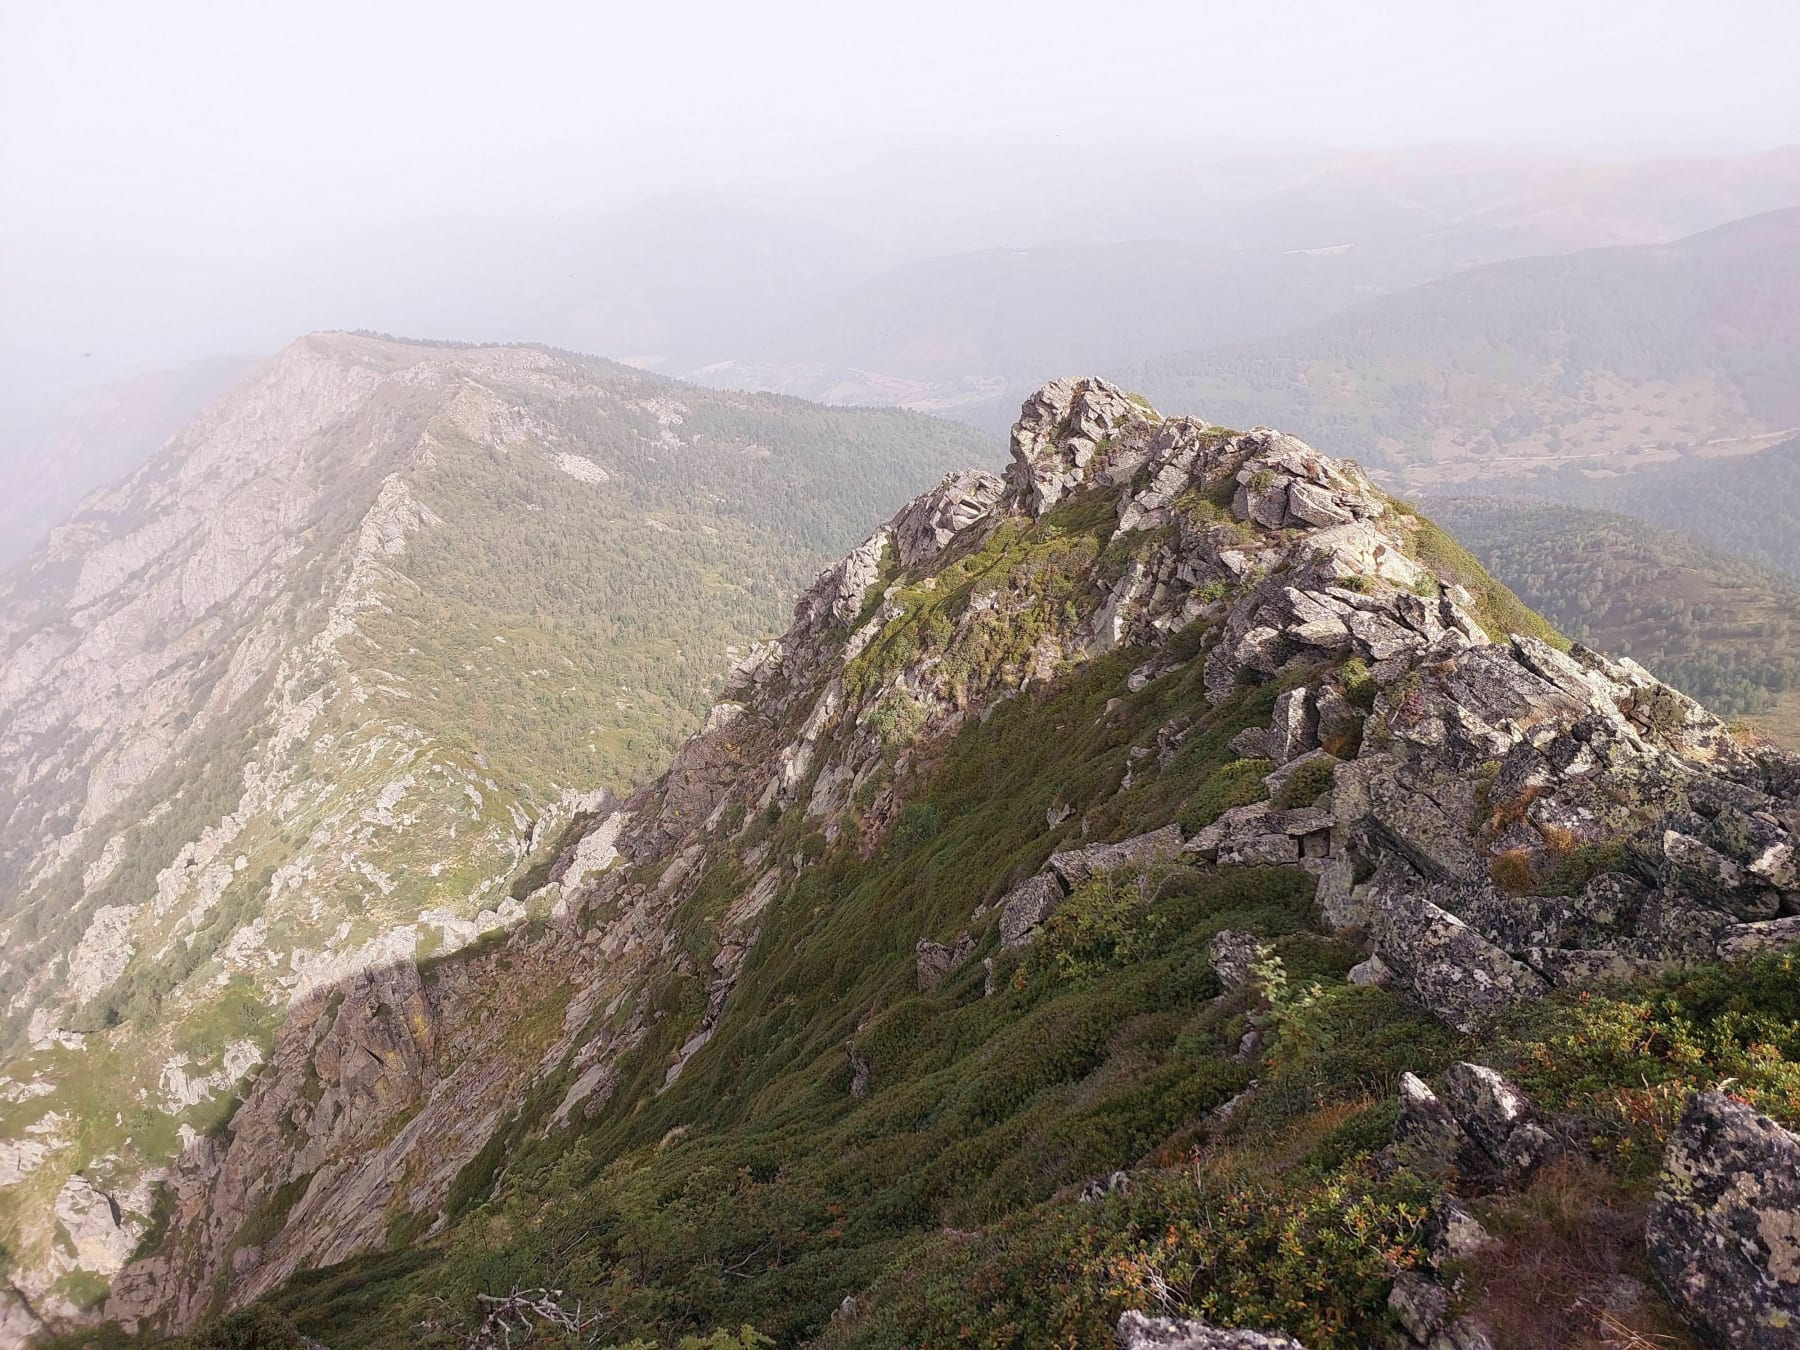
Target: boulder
(1421,1305)
(1693,867)
(936,961)
(1724,1226)
(1454,1234)
(1232,954)
(1098,1188)
(1452,970)
(1251,743)
(1427,1138)
(1137,1331)
(860,1070)
(1255,835)
(1026,906)
(1310,504)
(1293,727)
(1340,721)
(1587,968)
(1745,938)
(18,1323)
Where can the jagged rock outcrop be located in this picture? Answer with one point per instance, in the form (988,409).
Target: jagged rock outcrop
(923,529)
(1492,814)
(1058,432)
(1482,1127)
(1724,1228)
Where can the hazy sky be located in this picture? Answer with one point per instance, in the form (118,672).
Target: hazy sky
(155,149)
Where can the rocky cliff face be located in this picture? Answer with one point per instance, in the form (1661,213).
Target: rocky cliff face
(291,707)
(1484,813)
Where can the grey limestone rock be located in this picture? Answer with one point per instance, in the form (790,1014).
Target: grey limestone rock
(1449,967)
(936,961)
(1059,429)
(860,1071)
(1455,1234)
(1427,1137)
(927,524)
(1076,866)
(1500,1118)
(1421,1305)
(1294,727)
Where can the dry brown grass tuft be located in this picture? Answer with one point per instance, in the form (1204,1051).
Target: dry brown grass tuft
(1512,870)
(1572,1273)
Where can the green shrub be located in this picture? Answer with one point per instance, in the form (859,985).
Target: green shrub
(1359,683)
(257,1327)
(1313,1257)
(1105,922)
(918,823)
(1238,783)
(1306,785)
(1627,1059)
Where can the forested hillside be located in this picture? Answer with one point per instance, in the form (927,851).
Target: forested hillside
(1746,505)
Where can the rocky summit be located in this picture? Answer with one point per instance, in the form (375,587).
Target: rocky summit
(1164,895)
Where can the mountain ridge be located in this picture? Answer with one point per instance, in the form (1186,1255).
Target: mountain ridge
(295,698)
(1218,663)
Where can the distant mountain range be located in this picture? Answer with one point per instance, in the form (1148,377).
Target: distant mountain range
(1602,358)
(934,282)
(1250,252)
